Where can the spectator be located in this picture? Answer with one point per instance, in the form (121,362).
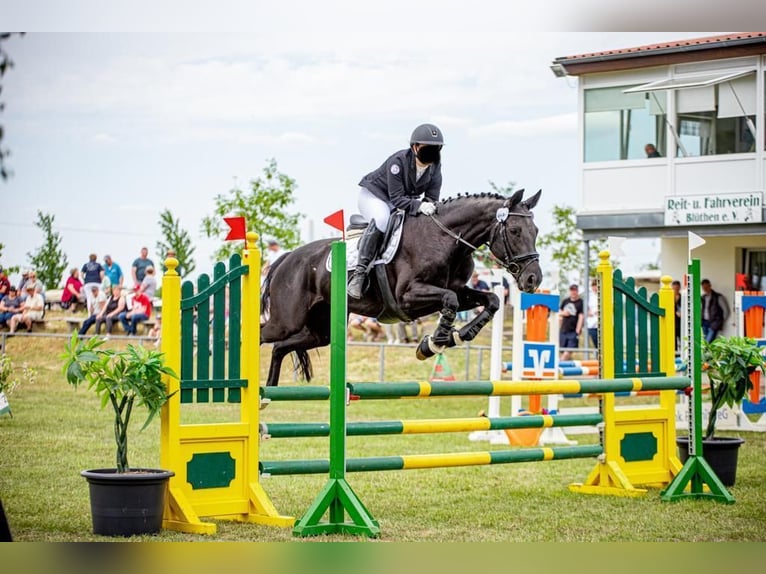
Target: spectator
(476,283)
(23,281)
(92,274)
(651,151)
(591,322)
(38,286)
(113,271)
(140,264)
(5,284)
(149,284)
(32,310)
(367,325)
(95,305)
(570,322)
(140,312)
(73,291)
(10,305)
(156,331)
(273,252)
(715,311)
(110,314)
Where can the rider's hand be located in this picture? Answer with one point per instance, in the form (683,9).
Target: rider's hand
(427,208)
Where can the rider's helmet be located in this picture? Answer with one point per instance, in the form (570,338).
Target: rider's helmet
(427,134)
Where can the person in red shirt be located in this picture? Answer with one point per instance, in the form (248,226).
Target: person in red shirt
(139,312)
(73,293)
(5,284)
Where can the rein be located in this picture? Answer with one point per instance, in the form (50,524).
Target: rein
(515,264)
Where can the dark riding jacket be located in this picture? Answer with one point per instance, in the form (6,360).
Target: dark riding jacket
(394,182)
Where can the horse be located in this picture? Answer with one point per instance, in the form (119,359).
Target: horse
(429,273)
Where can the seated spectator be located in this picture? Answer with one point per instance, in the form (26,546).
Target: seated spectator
(139,312)
(92,274)
(115,304)
(10,305)
(368,325)
(156,331)
(33,281)
(32,310)
(5,284)
(73,291)
(95,305)
(149,283)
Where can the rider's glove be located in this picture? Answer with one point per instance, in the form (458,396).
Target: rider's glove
(427,208)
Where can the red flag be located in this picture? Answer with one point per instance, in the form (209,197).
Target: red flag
(237,228)
(336,220)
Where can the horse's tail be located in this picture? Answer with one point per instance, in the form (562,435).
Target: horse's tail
(266,285)
(302,363)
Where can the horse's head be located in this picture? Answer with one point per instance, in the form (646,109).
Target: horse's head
(513,240)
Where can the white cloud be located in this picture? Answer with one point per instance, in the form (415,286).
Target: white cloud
(551,125)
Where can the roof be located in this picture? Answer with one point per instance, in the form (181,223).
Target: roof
(690,49)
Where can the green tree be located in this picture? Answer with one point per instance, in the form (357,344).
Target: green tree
(49,260)
(265,209)
(566,245)
(178,240)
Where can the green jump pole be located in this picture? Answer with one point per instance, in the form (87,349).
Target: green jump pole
(309,393)
(429,426)
(421,461)
(337,498)
(696,472)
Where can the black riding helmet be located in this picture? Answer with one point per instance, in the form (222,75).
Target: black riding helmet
(427,134)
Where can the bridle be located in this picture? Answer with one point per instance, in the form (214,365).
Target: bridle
(514,264)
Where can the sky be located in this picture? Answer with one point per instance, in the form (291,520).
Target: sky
(107,128)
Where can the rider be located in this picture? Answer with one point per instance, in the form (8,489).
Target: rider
(398,184)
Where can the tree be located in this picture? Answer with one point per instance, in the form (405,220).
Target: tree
(177,239)
(49,260)
(265,209)
(5,64)
(566,245)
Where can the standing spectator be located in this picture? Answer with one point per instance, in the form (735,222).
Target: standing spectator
(32,310)
(95,305)
(23,281)
(676,286)
(92,274)
(149,284)
(140,264)
(10,305)
(715,311)
(5,284)
(113,271)
(115,305)
(591,322)
(140,312)
(73,291)
(571,319)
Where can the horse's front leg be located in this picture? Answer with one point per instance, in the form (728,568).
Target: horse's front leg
(469,299)
(434,344)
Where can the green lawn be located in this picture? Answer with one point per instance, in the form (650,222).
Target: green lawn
(55,432)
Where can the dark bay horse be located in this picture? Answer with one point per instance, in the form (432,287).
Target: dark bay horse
(428,274)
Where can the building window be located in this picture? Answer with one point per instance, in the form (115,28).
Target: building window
(619,125)
(717,119)
(755,270)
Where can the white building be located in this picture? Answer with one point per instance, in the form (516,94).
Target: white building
(700,103)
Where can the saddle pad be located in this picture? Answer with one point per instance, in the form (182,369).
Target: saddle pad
(352,249)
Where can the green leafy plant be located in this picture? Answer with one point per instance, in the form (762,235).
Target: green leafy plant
(728,362)
(10,378)
(133,376)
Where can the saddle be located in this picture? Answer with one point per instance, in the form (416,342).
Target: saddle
(392,313)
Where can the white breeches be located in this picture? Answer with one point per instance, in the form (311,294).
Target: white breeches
(373,207)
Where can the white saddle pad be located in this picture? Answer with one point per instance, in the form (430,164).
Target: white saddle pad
(352,250)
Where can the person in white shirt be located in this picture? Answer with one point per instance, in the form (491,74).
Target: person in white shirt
(31,310)
(591,321)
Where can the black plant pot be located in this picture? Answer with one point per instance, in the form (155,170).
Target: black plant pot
(720,452)
(128,503)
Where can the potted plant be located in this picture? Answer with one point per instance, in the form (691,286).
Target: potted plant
(728,362)
(124,500)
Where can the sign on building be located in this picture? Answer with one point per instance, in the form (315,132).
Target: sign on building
(714,209)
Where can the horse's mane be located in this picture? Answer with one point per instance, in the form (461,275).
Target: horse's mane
(463,197)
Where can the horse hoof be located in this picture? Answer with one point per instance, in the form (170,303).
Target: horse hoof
(423,350)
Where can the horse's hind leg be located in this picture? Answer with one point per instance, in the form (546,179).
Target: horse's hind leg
(299,343)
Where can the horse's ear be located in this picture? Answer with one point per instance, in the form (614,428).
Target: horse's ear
(532,201)
(516,198)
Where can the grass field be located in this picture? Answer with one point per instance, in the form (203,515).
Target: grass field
(56,432)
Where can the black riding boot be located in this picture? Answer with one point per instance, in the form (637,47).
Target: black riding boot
(368,249)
